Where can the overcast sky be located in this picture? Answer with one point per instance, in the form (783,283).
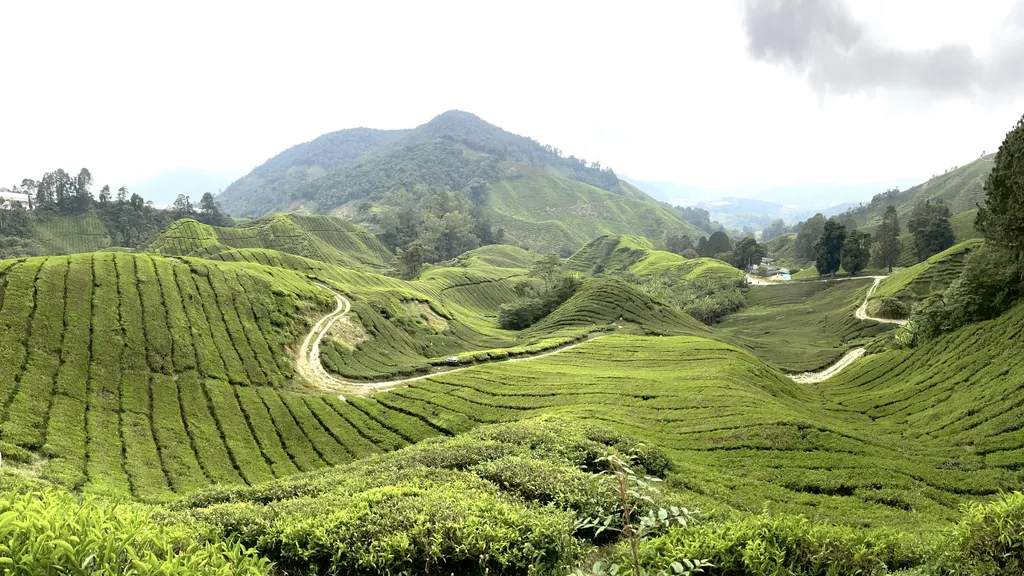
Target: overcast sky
(723,95)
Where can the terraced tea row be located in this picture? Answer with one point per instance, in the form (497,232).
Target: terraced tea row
(317,237)
(802,326)
(960,391)
(130,372)
(742,435)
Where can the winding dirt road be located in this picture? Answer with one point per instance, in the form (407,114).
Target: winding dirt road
(849,357)
(310,367)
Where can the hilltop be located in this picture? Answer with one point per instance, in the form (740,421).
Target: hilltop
(537,197)
(320,238)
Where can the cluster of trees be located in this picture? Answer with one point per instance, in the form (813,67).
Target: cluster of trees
(841,247)
(130,220)
(209,211)
(550,288)
(993,275)
(833,244)
(741,255)
(775,229)
(929,223)
(678,244)
(698,217)
(436,227)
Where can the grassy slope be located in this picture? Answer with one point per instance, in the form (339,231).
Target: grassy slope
(148,398)
(545,211)
(961,189)
(612,254)
(132,373)
(959,396)
(801,326)
(318,237)
(498,256)
(932,275)
(71,234)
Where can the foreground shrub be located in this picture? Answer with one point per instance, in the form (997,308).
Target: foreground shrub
(502,499)
(792,545)
(988,540)
(453,524)
(49,532)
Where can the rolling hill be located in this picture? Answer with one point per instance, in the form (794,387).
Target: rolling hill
(540,199)
(321,238)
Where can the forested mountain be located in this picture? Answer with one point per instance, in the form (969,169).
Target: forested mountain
(458,178)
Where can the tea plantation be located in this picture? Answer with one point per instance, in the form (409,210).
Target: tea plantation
(168,383)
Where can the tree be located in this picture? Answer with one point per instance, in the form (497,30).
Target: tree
(183,206)
(808,237)
(105,195)
(1001,217)
(546,269)
(122,195)
(856,252)
(410,261)
(676,243)
(776,229)
(717,243)
(887,239)
(747,253)
(829,248)
(929,223)
(208,205)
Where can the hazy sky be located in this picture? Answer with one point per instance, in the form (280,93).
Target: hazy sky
(711,94)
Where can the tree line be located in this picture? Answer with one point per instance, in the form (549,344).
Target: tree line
(129,218)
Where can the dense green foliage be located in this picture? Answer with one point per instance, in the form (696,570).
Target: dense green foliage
(930,226)
(527,311)
(828,249)
(1001,217)
(454,183)
(886,248)
(856,252)
(501,499)
(52,532)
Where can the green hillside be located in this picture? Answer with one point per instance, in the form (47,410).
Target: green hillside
(71,234)
(540,199)
(317,237)
(543,210)
(126,372)
(615,254)
(801,326)
(135,375)
(961,189)
(933,275)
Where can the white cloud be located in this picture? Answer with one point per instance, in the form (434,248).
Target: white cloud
(657,90)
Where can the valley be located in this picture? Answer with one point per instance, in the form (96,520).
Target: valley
(298,393)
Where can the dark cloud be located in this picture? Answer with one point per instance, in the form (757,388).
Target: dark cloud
(823,41)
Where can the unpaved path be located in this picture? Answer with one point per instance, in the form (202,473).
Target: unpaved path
(312,370)
(862,311)
(849,357)
(821,376)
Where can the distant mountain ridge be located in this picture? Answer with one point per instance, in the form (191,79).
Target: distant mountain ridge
(539,198)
